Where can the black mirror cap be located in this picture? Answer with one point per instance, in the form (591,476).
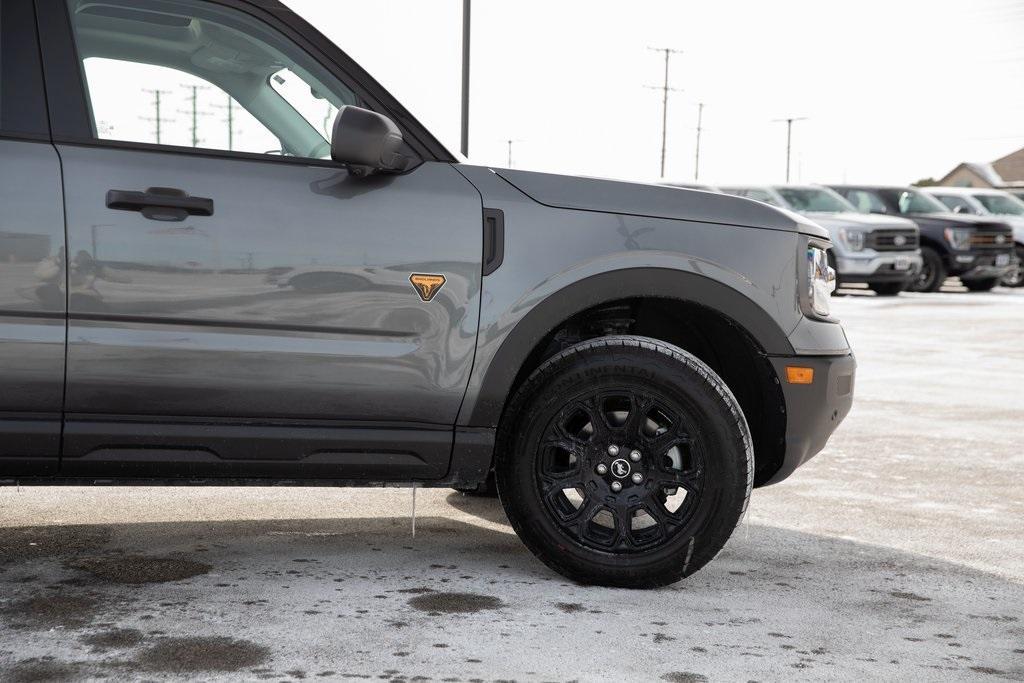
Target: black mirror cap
(367,142)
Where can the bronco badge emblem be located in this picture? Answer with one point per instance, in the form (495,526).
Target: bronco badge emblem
(621,468)
(427,285)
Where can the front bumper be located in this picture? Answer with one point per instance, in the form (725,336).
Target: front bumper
(897,266)
(974,266)
(813,411)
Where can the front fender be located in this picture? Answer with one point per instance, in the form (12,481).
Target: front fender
(559,262)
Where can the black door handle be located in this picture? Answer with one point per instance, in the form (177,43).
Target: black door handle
(160,203)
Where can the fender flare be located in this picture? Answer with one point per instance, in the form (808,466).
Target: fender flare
(604,288)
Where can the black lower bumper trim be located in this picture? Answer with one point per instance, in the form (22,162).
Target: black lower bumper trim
(813,411)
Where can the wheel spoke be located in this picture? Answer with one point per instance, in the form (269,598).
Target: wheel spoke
(684,479)
(556,482)
(661,444)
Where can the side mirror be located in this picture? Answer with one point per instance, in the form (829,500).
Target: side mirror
(367,142)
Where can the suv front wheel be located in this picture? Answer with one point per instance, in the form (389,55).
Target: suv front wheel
(624,461)
(933,272)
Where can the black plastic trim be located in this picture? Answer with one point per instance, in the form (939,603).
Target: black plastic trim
(494,240)
(22,97)
(604,288)
(110,447)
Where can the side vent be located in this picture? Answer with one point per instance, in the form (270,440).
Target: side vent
(494,239)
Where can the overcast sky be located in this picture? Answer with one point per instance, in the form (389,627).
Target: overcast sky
(894,90)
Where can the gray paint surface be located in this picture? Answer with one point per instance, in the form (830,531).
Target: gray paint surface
(292,301)
(32,302)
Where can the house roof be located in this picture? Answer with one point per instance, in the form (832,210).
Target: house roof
(1011,168)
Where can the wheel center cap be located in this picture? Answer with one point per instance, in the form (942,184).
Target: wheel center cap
(621,468)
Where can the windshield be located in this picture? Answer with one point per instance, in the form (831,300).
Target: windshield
(912,201)
(1003,205)
(814,199)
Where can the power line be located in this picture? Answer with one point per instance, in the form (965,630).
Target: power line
(664,103)
(789,137)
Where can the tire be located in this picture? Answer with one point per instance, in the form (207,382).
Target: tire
(645,395)
(980,285)
(1015,278)
(933,272)
(887,288)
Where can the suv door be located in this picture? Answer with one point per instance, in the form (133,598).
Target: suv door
(272,328)
(32,287)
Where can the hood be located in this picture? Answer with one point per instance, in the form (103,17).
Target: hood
(953,220)
(656,201)
(871,221)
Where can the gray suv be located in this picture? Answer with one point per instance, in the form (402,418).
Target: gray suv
(307,288)
(881,251)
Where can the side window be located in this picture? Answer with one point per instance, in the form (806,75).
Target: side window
(866,202)
(956,204)
(192,73)
(761,196)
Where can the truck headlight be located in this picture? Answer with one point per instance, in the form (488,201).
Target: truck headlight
(821,281)
(852,239)
(959,238)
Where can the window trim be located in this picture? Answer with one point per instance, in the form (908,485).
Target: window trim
(68,104)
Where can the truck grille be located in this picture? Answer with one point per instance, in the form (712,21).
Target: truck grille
(991,239)
(893,239)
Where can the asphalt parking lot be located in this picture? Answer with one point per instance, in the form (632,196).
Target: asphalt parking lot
(898,553)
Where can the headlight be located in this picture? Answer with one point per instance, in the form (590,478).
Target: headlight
(959,238)
(821,281)
(853,239)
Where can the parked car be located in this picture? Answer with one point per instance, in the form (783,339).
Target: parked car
(880,251)
(629,359)
(1018,193)
(978,250)
(978,201)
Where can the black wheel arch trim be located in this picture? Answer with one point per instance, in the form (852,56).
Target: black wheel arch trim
(604,288)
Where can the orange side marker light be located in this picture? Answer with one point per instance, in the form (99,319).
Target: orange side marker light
(798,375)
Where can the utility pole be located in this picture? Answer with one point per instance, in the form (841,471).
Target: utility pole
(158,119)
(510,142)
(465,76)
(789,137)
(700,119)
(194,112)
(230,120)
(664,102)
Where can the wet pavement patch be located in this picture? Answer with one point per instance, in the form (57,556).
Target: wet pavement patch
(455,603)
(39,670)
(196,655)
(909,596)
(19,544)
(131,569)
(51,611)
(570,607)
(684,677)
(114,639)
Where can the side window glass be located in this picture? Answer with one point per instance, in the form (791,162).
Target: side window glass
(865,202)
(172,108)
(193,73)
(22,104)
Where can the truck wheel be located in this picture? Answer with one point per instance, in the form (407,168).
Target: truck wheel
(933,272)
(1015,278)
(980,285)
(887,288)
(624,461)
